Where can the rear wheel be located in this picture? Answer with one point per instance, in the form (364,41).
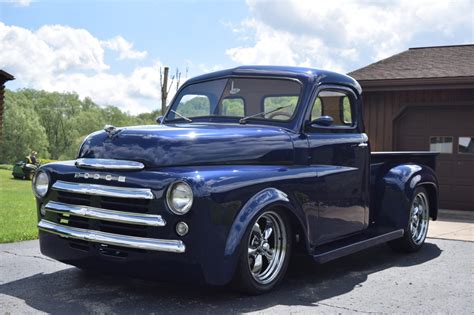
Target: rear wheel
(265,253)
(418,222)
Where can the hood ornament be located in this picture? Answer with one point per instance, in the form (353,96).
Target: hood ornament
(111,130)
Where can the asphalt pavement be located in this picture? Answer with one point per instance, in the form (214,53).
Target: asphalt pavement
(438,279)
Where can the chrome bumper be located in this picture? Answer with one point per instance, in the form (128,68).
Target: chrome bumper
(105,215)
(174,246)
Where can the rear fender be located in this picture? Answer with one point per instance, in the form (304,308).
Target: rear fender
(396,189)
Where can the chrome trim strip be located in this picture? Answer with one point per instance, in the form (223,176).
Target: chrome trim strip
(109,164)
(103,190)
(173,246)
(105,214)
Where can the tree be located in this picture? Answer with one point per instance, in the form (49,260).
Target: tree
(55,124)
(56,112)
(22,130)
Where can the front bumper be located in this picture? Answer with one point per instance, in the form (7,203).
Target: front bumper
(122,261)
(174,246)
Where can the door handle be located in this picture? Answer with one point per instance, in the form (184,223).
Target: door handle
(362,144)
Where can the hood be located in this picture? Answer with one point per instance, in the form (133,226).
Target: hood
(192,144)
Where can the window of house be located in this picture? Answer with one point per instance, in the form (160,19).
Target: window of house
(336,104)
(466,145)
(441,144)
(234,106)
(287,103)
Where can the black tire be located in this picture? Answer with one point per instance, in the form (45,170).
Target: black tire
(247,281)
(411,242)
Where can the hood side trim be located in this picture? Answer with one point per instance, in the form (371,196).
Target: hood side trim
(109,164)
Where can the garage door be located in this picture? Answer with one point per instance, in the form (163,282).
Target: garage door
(449,130)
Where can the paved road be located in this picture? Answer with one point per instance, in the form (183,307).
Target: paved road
(439,279)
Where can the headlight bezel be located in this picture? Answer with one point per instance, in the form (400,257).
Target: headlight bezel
(169,196)
(36,191)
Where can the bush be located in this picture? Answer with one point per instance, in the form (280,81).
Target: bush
(7,167)
(46,161)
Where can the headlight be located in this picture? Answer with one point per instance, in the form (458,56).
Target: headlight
(41,184)
(179,198)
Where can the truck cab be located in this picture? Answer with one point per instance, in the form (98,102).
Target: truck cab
(247,166)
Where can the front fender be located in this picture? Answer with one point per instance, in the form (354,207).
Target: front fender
(396,189)
(259,201)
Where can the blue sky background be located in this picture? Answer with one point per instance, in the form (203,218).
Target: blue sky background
(174,31)
(112,50)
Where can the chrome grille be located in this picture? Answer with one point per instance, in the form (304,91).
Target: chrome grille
(103,190)
(107,215)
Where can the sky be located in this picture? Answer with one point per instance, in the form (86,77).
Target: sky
(112,51)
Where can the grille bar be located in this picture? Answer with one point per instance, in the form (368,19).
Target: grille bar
(103,190)
(106,215)
(174,246)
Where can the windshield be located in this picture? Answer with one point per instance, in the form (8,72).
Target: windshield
(262,99)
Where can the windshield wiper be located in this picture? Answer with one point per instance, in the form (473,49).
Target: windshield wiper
(244,119)
(182,116)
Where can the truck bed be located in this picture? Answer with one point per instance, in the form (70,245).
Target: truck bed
(397,157)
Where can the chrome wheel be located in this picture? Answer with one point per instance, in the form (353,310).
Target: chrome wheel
(419,218)
(267,247)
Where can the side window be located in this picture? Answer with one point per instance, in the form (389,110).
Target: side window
(441,144)
(317,110)
(233,107)
(192,105)
(336,104)
(273,102)
(346,110)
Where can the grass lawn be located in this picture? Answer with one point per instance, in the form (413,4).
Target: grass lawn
(17,209)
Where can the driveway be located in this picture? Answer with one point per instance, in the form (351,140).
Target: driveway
(438,279)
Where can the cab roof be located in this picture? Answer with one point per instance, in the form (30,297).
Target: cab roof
(306,75)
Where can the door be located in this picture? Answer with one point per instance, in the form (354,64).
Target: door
(340,152)
(450,131)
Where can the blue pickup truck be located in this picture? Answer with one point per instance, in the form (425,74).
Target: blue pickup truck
(247,167)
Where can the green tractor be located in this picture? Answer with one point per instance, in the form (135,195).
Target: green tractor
(26,169)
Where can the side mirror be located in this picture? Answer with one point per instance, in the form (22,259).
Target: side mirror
(324,121)
(159,120)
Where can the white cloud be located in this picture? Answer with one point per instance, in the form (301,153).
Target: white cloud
(124,48)
(341,34)
(20,3)
(61,58)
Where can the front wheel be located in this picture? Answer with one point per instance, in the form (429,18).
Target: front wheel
(265,253)
(418,221)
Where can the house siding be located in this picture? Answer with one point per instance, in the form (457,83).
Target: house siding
(381,108)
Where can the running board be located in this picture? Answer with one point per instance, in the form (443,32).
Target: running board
(352,245)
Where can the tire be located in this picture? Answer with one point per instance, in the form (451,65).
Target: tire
(265,253)
(417,225)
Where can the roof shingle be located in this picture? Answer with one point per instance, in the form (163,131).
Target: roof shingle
(422,62)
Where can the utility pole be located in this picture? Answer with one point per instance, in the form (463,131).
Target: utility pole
(164,88)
